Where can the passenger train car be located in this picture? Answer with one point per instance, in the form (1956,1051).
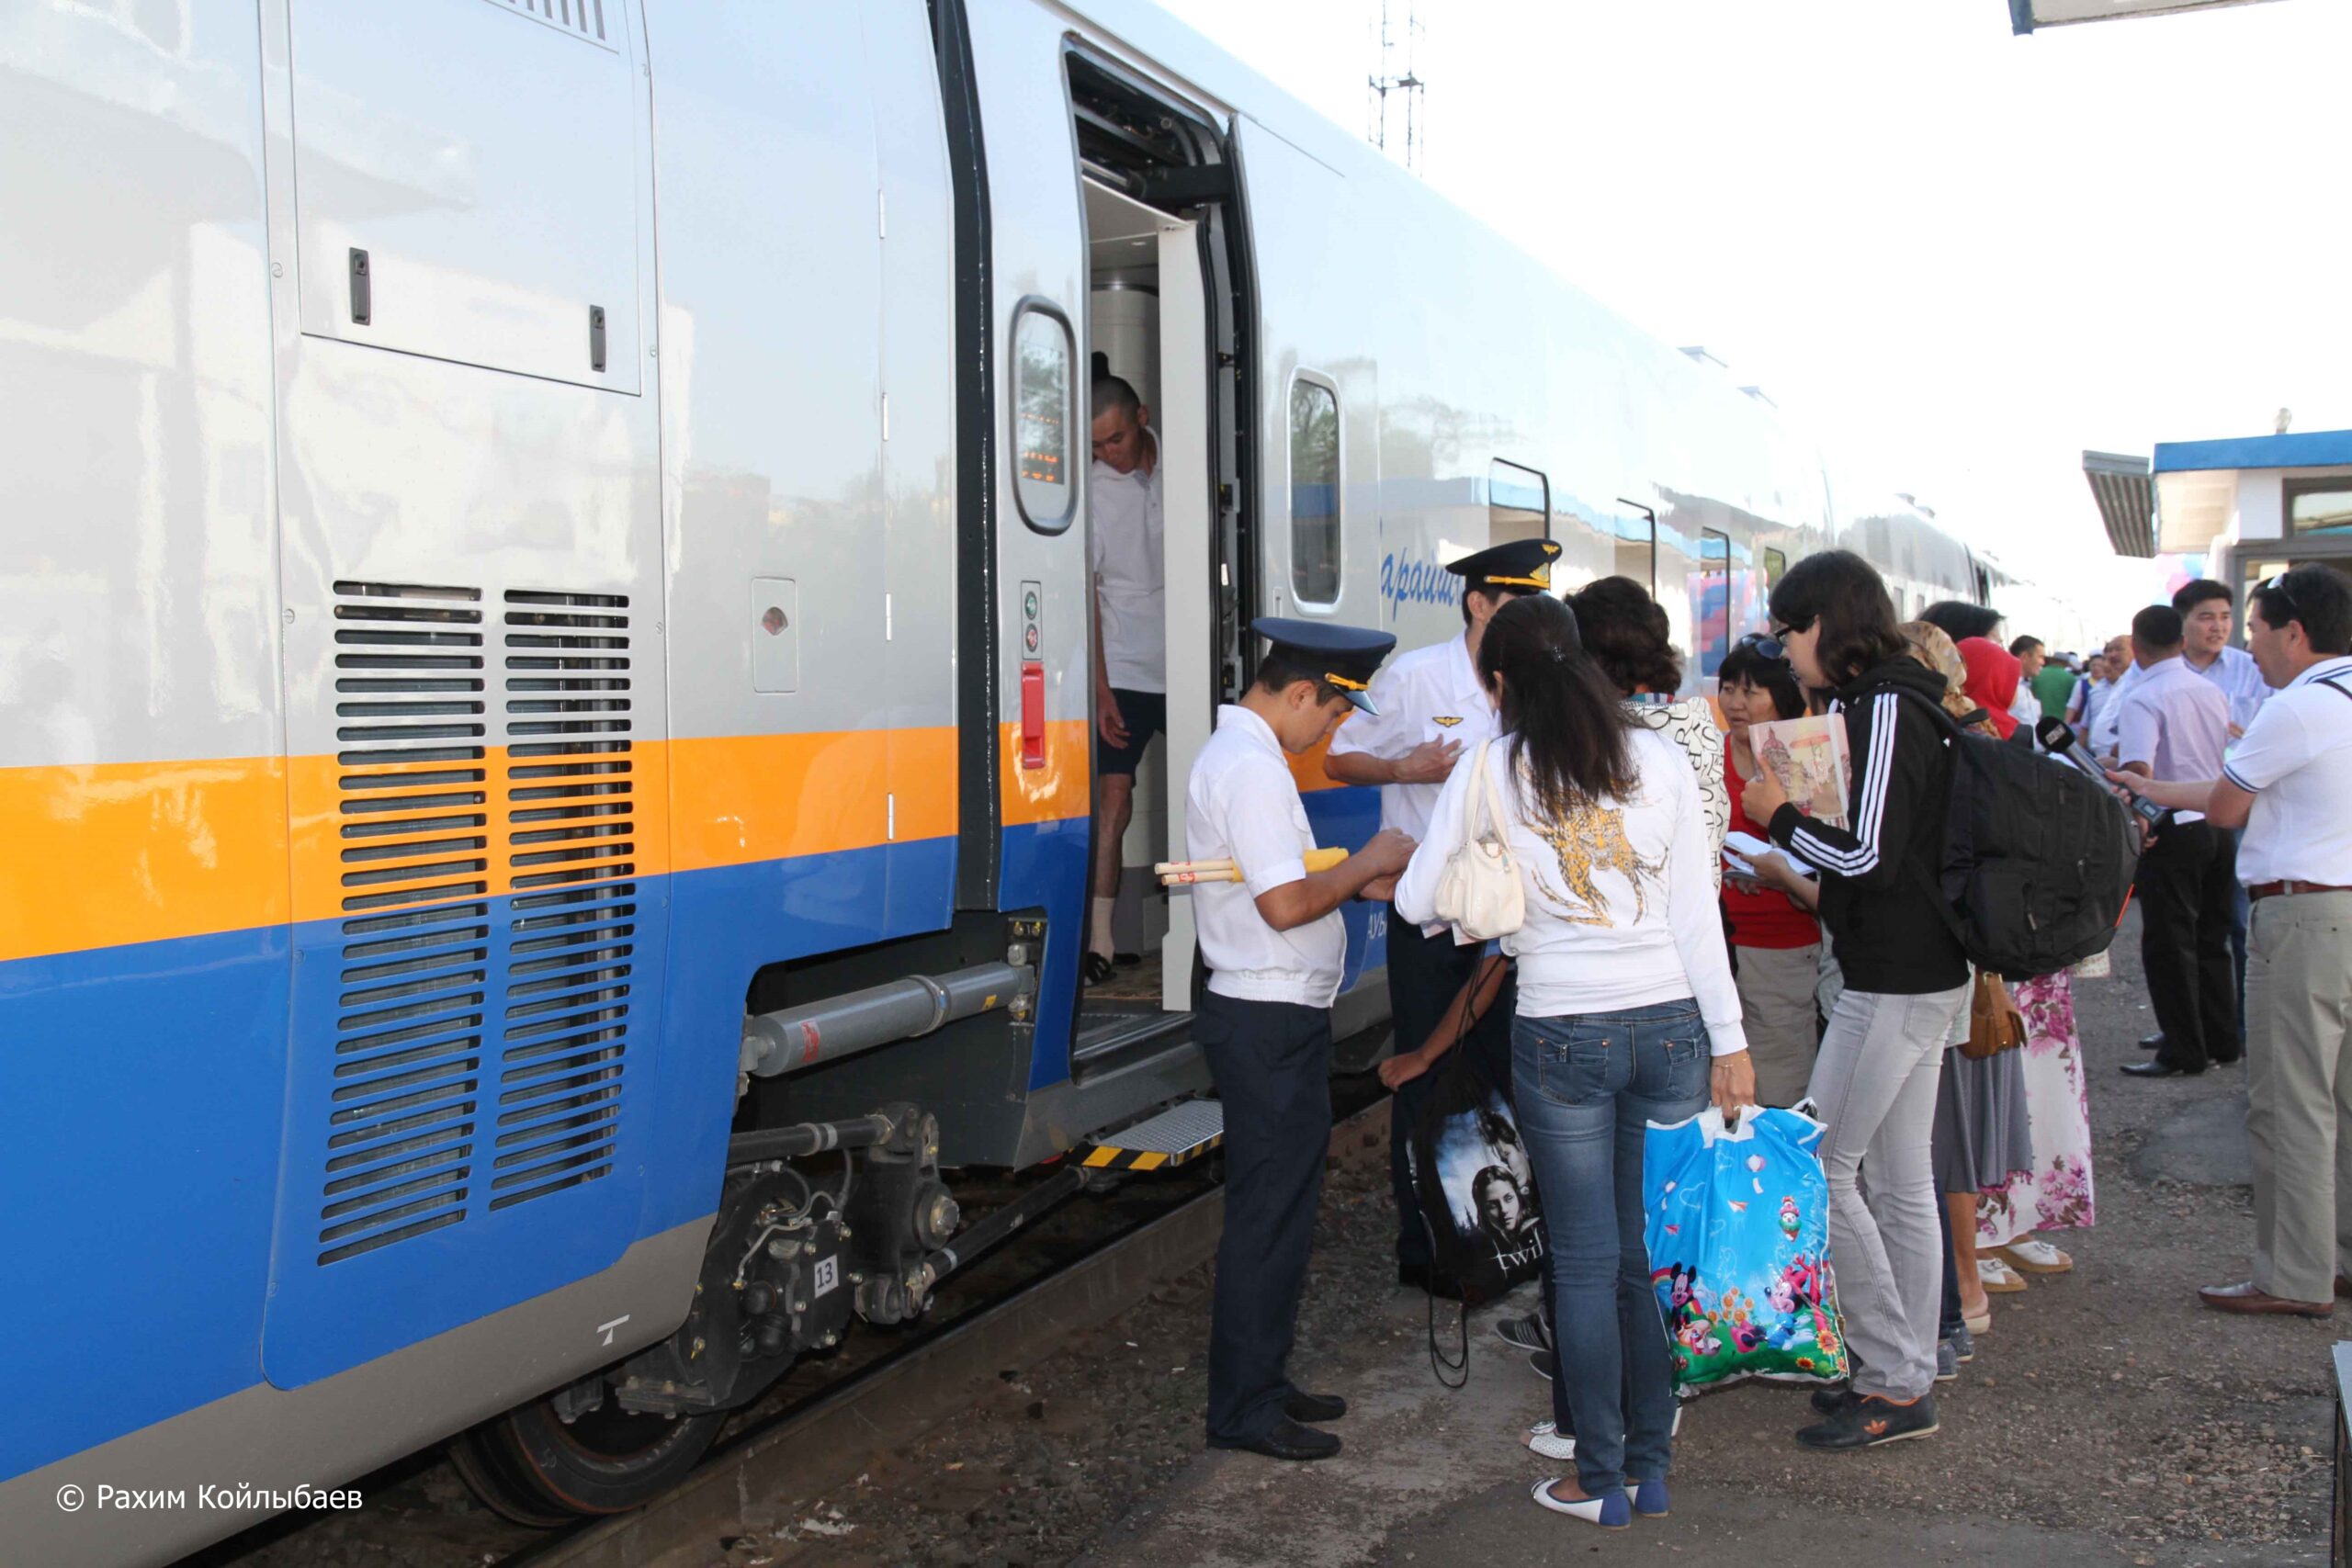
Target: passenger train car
(542,632)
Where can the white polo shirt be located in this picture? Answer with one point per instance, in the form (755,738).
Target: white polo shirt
(1243,805)
(1431,693)
(2295,759)
(1130,575)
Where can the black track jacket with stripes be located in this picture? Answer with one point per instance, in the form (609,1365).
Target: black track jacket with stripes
(1878,880)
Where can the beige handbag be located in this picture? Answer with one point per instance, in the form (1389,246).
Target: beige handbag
(1479,890)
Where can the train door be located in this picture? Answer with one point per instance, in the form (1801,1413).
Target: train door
(474,666)
(1155,323)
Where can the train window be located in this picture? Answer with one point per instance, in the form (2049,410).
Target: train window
(1519,503)
(1776,567)
(1710,615)
(1314,493)
(1637,548)
(2319,506)
(1042,414)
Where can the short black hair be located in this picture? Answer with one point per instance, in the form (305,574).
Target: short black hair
(1744,666)
(2320,597)
(1625,632)
(1502,593)
(1845,595)
(1959,620)
(1278,674)
(2157,626)
(1115,392)
(2192,594)
(2021,646)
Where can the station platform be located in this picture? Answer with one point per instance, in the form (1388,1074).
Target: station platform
(2107,1418)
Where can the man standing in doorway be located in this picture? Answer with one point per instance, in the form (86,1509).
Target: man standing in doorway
(1130,635)
(2289,785)
(1432,709)
(2175,726)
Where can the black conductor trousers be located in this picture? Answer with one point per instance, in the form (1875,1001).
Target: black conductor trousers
(1271,1062)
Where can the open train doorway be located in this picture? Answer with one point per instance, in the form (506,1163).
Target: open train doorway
(1163,531)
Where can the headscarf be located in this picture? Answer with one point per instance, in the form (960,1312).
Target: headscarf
(1993,675)
(1932,647)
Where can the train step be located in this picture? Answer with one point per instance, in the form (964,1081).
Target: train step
(1176,1134)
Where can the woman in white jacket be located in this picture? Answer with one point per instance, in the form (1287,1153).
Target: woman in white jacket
(1623,981)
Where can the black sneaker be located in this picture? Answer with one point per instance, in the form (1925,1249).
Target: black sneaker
(1542,1362)
(1963,1346)
(1869,1420)
(1524,1333)
(1832,1399)
(1947,1362)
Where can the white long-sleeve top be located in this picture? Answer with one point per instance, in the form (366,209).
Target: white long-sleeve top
(1620,902)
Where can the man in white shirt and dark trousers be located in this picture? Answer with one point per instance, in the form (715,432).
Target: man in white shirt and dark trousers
(1432,709)
(1274,945)
(2173,727)
(1125,551)
(2288,784)
(2208,610)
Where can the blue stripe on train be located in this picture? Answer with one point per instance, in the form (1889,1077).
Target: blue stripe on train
(145,1094)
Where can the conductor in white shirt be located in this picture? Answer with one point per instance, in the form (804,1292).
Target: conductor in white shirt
(1275,949)
(1433,710)
(1130,635)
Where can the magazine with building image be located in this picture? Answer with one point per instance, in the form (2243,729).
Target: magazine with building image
(1808,756)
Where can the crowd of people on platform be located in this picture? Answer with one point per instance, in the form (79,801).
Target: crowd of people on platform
(1638,982)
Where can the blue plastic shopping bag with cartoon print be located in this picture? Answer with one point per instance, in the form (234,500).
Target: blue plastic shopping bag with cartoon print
(1739,1239)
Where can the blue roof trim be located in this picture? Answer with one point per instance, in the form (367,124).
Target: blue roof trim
(2311,449)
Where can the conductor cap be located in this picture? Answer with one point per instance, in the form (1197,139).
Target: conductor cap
(1521,564)
(1340,657)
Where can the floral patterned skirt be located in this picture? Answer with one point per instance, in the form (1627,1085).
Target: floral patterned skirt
(2059,1193)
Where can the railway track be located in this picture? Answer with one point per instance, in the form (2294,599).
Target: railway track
(828,1421)
(826,1441)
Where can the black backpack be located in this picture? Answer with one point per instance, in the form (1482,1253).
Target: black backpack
(2038,857)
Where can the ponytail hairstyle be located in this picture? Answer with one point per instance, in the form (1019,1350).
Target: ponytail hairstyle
(1566,726)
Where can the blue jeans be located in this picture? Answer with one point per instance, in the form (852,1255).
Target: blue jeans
(1587,1087)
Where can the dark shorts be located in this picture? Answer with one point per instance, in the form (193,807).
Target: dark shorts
(1146,714)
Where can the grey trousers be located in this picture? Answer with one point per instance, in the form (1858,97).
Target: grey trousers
(1874,1087)
(2298,1091)
(1776,992)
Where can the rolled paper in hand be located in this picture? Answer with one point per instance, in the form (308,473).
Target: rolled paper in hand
(1178,872)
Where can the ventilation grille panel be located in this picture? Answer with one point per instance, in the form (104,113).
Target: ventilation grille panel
(582,19)
(412,833)
(571,801)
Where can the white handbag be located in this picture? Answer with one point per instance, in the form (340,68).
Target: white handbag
(1479,890)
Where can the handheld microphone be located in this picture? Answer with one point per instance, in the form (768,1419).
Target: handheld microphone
(2056,735)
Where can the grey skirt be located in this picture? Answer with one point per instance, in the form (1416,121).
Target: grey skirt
(1982,1137)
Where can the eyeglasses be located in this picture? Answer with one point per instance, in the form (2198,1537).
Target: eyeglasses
(1765,644)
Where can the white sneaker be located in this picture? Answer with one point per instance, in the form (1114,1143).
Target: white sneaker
(1545,1439)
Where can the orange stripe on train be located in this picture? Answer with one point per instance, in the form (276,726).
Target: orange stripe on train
(114,853)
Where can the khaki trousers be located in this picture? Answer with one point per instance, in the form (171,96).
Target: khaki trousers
(1776,1001)
(2298,1091)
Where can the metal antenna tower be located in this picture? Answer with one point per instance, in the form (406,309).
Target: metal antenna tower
(1407,84)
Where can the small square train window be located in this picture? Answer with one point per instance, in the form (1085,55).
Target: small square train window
(1042,416)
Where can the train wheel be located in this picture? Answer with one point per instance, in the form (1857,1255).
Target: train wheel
(534,1469)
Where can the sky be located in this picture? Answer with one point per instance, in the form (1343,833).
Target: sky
(1956,257)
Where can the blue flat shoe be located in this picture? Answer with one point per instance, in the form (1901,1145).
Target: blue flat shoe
(1614,1512)
(1648,1498)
